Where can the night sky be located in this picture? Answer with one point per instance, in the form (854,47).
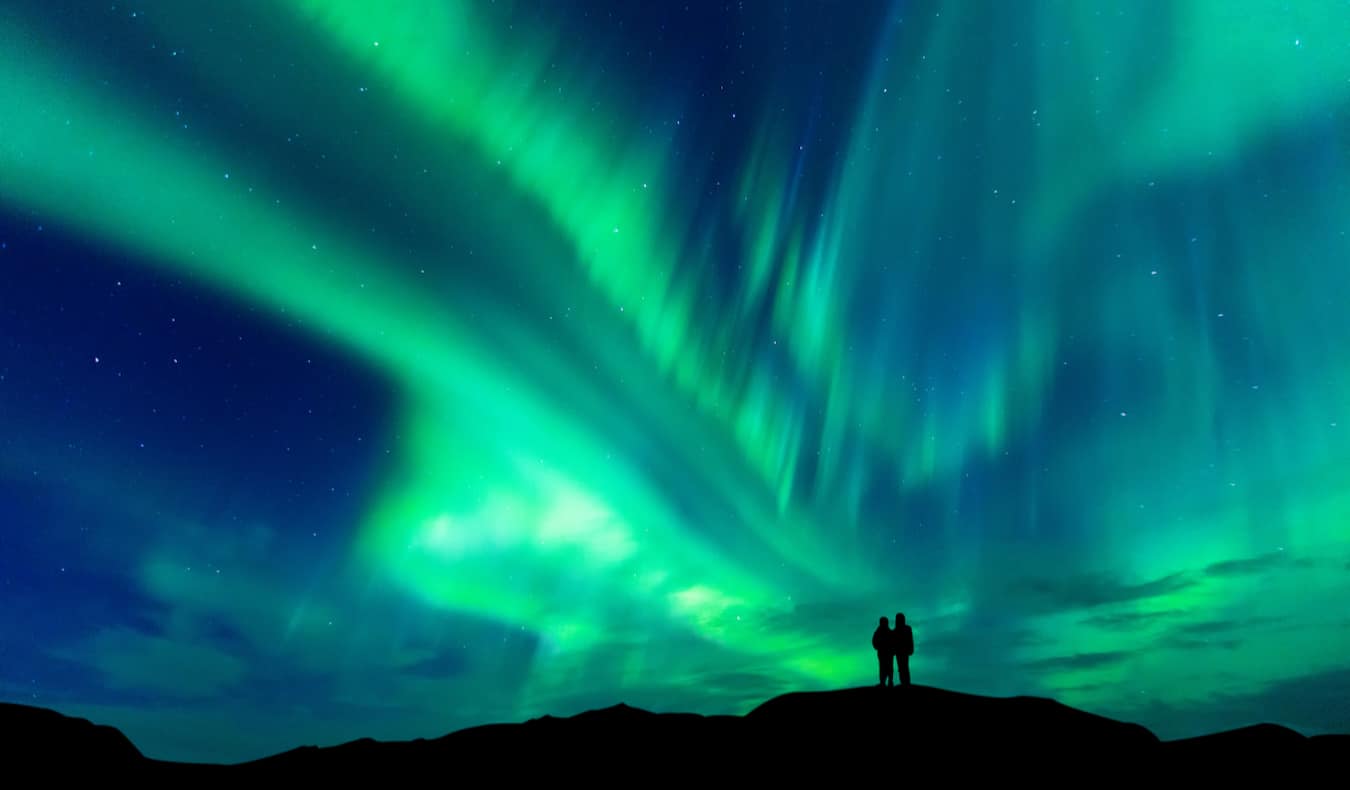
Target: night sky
(379,369)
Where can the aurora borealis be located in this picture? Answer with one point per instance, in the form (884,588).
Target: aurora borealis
(378,369)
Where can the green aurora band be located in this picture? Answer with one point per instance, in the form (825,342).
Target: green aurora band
(1055,355)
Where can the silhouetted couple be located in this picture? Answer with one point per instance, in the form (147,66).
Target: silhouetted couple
(893,645)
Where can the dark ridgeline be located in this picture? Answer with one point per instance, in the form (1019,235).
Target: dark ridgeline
(916,732)
(47,740)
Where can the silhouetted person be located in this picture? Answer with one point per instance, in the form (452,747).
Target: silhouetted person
(903,641)
(883,642)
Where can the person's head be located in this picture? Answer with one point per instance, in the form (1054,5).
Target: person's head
(899,618)
(885,623)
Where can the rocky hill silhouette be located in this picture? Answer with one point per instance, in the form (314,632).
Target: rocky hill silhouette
(851,733)
(42,738)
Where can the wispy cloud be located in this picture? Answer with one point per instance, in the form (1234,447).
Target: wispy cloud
(1131,621)
(1250,565)
(1077,661)
(1088,591)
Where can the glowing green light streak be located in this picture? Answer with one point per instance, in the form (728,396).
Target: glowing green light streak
(85,159)
(481,85)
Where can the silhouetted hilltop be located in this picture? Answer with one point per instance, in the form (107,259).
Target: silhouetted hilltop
(921,715)
(849,733)
(1253,745)
(44,738)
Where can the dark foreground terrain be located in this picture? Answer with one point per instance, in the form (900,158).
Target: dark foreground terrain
(855,733)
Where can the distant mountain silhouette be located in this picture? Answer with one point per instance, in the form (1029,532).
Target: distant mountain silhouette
(914,731)
(35,736)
